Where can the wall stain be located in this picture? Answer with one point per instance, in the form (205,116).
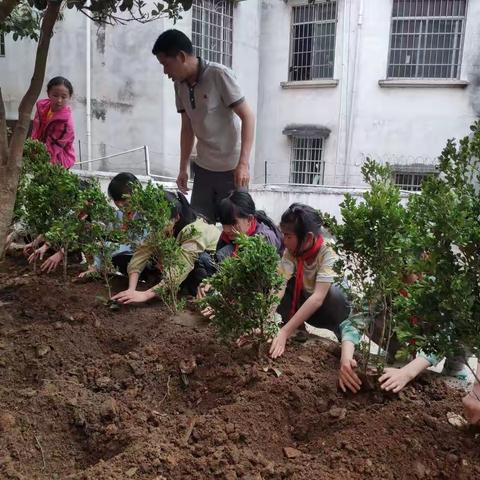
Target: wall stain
(126,93)
(101,107)
(101,33)
(474,78)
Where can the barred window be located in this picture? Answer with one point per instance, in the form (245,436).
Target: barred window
(411,177)
(427,38)
(312,42)
(212,30)
(2,44)
(306,165)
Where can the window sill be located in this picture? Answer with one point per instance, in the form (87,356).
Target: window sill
(412,83)
(330,83)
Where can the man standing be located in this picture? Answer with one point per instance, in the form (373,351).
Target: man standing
(209,99)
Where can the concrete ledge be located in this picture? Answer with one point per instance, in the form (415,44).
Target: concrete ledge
(412,83)
(330,83)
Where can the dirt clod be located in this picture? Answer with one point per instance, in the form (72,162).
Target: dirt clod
(109,408)
(291,452)
(456,420)
(42,350)
(338,413)
(7,421)
(131,472)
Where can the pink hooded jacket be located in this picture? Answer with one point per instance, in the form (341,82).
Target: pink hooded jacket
(57,133)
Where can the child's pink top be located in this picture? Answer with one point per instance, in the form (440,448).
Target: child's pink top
(56,131)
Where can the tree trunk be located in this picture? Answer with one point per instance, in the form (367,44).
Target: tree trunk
(65,263)
(11,158)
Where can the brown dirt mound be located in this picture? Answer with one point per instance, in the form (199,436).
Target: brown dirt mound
(86,393)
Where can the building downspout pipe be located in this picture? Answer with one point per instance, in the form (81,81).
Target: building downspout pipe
(88,95)
(349,139)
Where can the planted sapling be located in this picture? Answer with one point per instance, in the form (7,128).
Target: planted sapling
(102,232)
(244,292)
(372,245)
(441,314)
(152,222)
(49,201)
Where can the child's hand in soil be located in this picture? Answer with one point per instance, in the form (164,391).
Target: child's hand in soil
(208,312)
(38,253)
(133,296)
(202,291)
(52,262)
(278,344)
(394,379)
(91,270)
(28,249)
(347,377)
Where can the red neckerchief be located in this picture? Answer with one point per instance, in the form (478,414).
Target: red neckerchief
(249,233)
(304,257)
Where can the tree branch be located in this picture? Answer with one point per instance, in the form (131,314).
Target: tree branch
(3,132)
(6,8)
(33,92)
(12,162)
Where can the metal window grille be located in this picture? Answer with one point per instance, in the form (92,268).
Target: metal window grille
(411,177)
(212,30)
(426,40)
(306,164)
(312,42)
(2,44)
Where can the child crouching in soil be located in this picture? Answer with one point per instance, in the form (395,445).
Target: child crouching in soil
(119,190)
(237,214)
(194,235)
(310,295)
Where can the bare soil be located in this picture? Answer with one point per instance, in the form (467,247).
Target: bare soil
(89,393)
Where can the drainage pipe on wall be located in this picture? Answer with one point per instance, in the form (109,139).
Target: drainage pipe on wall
(351,124)
(88,95)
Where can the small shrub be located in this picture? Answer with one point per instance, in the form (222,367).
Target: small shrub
(152,224)
(49,200)
(244,291)
(372,243)
(101,233)
(441,314)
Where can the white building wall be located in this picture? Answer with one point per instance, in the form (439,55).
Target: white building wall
(133,103)
(404,125)
(272,199)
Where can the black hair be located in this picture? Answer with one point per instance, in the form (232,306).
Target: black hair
(56,81)
(181,208)
(301,219)
(121,185)
(172,42)
(240,204)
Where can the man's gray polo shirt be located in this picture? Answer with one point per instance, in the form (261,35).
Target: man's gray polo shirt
(208,104)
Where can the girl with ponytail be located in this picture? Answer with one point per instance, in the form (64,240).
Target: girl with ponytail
(237,214)
(307,265)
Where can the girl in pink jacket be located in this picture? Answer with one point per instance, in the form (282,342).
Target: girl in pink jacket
(53,122)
